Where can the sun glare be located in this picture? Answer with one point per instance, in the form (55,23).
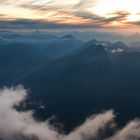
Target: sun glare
(106,7)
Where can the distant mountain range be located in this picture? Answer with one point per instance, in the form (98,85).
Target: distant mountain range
(90,79)
(73,78)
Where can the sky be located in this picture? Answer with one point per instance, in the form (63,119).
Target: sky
(68,14)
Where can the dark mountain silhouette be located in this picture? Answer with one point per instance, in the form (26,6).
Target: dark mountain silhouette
(62,47)
(92,79)
(18,60)
(93,41)
(68,36)
(90,43)
(69,81)
(73,79)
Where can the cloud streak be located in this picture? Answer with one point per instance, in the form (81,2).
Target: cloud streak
(74,12)
(41,24)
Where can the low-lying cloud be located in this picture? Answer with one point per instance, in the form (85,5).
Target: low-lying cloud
(15,125)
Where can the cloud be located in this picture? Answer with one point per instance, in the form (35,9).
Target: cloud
(21,125)
(85,13)
(117,16)
(136,23)
(85,19)
(76,12)
(48,7)
(2,16)
(130,132)
(80,9)
(5,1)
(94,127)
(15,125)
(41,24)
(75,9)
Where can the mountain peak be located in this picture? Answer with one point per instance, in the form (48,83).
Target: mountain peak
(68,36)
(120,44)
(91,42)
(118,47)
(93,52)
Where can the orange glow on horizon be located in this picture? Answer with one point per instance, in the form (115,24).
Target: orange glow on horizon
(105,13)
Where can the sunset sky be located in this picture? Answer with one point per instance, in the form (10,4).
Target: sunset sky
(53,14)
